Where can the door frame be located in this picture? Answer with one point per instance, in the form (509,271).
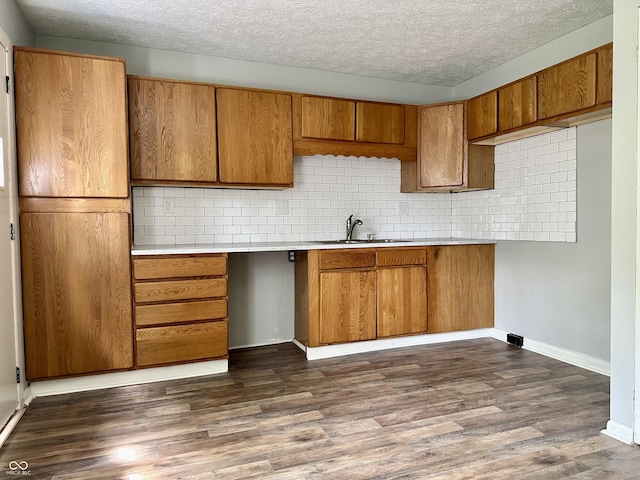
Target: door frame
(12,184)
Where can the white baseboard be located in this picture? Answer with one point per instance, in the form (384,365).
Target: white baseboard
(619,432)
(121,379)
(330,351)
(11,424)
(261,344)
(564,355)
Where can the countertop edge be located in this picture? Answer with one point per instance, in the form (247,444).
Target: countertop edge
(196,249)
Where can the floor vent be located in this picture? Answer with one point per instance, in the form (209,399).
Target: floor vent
(514,339)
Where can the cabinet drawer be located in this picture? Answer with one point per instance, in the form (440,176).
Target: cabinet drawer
(180,290)
(146,268)
(181,343)
(347,259)
(165,313)
(409,256)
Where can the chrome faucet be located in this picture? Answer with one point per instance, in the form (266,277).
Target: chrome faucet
(351,224)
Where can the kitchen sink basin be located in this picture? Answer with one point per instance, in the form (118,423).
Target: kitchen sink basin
(356,242)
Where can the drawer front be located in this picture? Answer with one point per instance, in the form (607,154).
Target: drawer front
(180,290)
(166,313)
(336,259)
(181,343)
(148,268)
(398,257)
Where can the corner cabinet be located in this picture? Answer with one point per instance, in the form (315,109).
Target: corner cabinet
(74,213)
(446,162)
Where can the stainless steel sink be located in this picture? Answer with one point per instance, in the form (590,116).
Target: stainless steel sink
(350,242)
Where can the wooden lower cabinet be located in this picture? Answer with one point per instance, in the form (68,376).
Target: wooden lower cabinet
(402,301)
(76,290)
(180,308)
(460,286)
(349,295)
(347,306)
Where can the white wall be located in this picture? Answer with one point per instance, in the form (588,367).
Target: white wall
(625,342)
(586,38)
(558,293)
(14,25)
(204,68)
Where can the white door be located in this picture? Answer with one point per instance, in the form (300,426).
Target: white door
(8,357)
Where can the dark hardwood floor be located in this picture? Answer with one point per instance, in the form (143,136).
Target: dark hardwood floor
(461,410)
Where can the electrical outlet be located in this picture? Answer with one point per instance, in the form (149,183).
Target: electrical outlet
(403,208)
(282,207)
(168,206)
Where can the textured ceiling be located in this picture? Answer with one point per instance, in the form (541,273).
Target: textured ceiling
(437,42)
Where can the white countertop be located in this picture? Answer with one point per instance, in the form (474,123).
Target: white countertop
(200,248)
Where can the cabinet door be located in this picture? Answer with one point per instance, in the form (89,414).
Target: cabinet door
(173,131)
(402,301)
(76,280)
(71,125)
(328,118)
(567,87)
(482,115)
(460,287)
(517,104)
(255,137)
(605,73)
(347,306)
(379,123)
(441,145)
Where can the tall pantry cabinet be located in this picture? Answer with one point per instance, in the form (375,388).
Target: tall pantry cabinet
(74,213)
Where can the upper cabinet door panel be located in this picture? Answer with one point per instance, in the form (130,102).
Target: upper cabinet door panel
(605,73)
(567,87)
(380,123)
(328,118)
(482,115)
(71,125)
(255,137)
(517,104)
(441,145)
(173,131)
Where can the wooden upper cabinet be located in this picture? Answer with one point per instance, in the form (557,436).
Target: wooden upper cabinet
(255,138)
(482,115)
(328,118)
(71,125)
(173,131)
(380,123)
(605,73)
(567,87)
(517,104)
(76,283)
(441,145)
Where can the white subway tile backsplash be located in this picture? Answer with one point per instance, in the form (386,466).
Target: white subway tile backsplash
(534,200)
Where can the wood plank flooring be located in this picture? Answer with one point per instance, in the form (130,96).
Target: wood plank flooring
(462,410)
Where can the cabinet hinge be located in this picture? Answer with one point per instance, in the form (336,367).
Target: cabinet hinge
(12,231)
(8,80)
(17,374)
